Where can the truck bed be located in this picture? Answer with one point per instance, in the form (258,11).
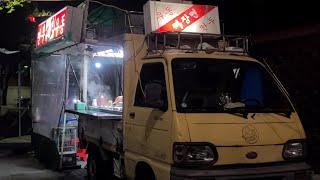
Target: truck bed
(101,128)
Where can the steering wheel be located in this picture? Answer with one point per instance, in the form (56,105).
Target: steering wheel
(252,100)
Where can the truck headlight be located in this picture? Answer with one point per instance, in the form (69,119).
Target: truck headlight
(193,154)
(294,150)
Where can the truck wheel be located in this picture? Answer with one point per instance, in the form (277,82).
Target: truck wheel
(144,172)
(93,167)
(98,168)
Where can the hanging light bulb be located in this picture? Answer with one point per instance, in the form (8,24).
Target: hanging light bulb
(98,65)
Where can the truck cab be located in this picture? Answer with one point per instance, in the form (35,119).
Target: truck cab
(201,114)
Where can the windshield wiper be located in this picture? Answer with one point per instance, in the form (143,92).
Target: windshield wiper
(237,107)
(285,114)
(244,113)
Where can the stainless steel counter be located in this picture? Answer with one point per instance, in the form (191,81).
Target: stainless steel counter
(96,114)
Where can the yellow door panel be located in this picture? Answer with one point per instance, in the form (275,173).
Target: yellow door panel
(147,129)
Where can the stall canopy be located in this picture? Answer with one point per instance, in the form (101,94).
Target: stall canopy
(104,22)
(104,16)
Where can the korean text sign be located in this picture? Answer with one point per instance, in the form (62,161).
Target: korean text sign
(53,28)
(175,17)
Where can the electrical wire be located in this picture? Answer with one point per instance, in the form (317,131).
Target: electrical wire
(75,75)
(109,5)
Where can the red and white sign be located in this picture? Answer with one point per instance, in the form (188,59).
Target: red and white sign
(175,17)
(61,30)
(53,28)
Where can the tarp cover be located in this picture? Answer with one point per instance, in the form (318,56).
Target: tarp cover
(104,22)
(48,86)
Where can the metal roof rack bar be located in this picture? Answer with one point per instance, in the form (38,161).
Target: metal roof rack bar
(196,42)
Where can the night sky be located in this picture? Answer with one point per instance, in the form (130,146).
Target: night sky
(247,17)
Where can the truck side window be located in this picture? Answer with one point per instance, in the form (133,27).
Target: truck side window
(151,74)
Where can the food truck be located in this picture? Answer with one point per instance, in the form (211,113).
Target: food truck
(174,100)
(73,71)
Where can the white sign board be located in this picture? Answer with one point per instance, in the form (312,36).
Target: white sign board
(176,17)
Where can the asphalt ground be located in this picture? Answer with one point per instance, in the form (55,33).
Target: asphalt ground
(21,165)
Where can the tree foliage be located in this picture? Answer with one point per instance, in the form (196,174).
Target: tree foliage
(41,13)
(10,5)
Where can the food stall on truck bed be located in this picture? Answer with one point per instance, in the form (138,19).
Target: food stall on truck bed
(54,133)
(181,101)
(75,76)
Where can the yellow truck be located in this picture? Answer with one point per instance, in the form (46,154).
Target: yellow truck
(176,101)
(204,113)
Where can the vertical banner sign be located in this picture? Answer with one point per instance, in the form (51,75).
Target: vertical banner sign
(53,28)
(175,17)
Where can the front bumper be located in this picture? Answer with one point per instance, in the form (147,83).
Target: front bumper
(283,171)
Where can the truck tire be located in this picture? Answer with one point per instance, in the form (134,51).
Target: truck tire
(94,168)
(97,168)
(144,172)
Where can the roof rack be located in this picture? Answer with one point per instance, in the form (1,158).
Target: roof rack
(158,42)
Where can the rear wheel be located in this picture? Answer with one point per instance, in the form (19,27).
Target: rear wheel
(144,172)
(97,168)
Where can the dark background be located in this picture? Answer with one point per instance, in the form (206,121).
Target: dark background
(285,33)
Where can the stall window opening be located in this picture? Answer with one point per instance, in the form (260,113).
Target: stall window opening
(105,83)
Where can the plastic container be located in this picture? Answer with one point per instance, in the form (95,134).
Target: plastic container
(80,106)
(101,101)
(94,102)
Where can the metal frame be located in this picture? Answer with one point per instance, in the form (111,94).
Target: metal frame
(131,27)
(165,39)
(66,144)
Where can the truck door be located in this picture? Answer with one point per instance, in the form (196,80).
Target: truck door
(148,128)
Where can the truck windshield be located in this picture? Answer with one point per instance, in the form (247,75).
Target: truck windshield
(220,85)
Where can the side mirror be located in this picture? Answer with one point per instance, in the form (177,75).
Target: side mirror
(154,96)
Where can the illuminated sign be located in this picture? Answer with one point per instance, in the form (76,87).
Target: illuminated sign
(175,17)
(53,28)
(61,30)
(109,53)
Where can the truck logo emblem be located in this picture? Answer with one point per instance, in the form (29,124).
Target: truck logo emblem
(250,134)
(251,155)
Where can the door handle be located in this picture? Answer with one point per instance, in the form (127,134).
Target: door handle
(132,115)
